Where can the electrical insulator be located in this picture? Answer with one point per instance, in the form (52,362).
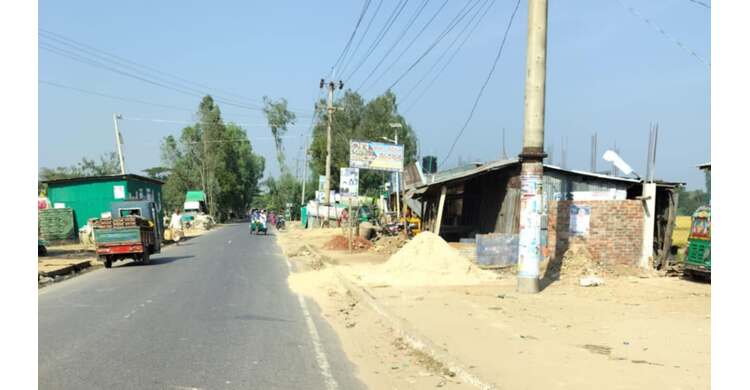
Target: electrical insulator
(322,82)
(341,84)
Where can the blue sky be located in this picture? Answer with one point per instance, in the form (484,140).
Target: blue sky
(608,72)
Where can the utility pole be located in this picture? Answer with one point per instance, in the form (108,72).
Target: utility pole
(331,109)
(118,140)
(304,176)
(532,155)
(504,156)
(396,126)
(593,153)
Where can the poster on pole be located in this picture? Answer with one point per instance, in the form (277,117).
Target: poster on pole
(321,183)
(580,216)
(376,155)
(349,182)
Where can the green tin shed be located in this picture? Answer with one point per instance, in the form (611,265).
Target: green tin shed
(90,196)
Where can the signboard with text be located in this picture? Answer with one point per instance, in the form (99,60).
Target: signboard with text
(376,155)
(349,182)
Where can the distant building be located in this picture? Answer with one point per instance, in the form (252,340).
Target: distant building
(91,196)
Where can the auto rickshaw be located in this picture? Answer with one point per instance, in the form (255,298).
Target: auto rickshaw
(698,257)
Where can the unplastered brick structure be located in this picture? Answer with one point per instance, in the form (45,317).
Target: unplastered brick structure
(614,232)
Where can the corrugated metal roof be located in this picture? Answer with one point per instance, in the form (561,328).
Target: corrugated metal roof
(705,166)
(500,164)
(84,179)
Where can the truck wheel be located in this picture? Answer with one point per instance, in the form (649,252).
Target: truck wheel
(146,257)
(107,262)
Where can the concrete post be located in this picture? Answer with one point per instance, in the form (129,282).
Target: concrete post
(649,218)
(115,117)
(441,204)
(532,155)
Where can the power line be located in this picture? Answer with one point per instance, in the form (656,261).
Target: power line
(383,31)
(52,83)
(664,33)
(448,49)
(97,64)
(403,52)
(351,38)
(144,71)
(192,122)
(486,81)
(702,4)
(457,19)
(408,26)
(362,38)
(126,99)
(134,66)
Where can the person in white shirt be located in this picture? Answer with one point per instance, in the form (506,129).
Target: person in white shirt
(175,224)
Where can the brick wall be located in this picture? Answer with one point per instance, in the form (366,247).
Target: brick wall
(615,230)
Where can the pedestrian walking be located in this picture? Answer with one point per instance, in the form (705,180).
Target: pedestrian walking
(175,224)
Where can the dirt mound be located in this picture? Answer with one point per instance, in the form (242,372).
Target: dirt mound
(427,260)
(578,261)
(339,243)
(388,245)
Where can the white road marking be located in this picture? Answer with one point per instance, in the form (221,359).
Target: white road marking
(320,354)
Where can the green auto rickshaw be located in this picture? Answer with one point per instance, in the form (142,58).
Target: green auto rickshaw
(698,258)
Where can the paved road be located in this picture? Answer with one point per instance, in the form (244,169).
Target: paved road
(213,313)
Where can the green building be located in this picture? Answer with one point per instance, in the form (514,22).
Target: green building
(90,196)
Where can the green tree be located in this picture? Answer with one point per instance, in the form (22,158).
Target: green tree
(356,120)
(158,173)
(215,157)
(689,201)
(279,118)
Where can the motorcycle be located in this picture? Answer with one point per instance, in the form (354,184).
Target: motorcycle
(280,223)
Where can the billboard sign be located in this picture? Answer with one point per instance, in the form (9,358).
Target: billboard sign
(376,155)
(349,182)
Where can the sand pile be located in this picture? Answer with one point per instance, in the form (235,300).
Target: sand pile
(339,243)
(388,244)
(578,261)
(427,260)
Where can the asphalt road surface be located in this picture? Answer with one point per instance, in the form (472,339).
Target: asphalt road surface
(212,313)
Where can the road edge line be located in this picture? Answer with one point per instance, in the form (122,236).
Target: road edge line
(320,355)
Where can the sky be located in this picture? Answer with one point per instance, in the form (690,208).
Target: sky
(613,68)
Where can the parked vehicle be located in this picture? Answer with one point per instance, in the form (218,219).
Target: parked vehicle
(134,231)
(698,258)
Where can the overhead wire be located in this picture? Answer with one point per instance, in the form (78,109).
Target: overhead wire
(486,81)
(661,31)
(702,4)
(365,6)
(406,29)
(134,66)
(348,61)
(82,50)
(411,43)
(466,37)
(454,22)
(379,37)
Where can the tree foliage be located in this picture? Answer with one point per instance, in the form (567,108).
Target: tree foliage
(356,120)
(108,164)
(214,157)
(279,118)
(689,201)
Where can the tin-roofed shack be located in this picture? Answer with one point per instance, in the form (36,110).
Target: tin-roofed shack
(89,197)
(485,199)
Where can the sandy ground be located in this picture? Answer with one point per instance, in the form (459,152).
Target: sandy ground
(631,332)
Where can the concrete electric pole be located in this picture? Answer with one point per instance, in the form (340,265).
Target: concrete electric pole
(304,176)
(331,109)
(532,155)
(118,139)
